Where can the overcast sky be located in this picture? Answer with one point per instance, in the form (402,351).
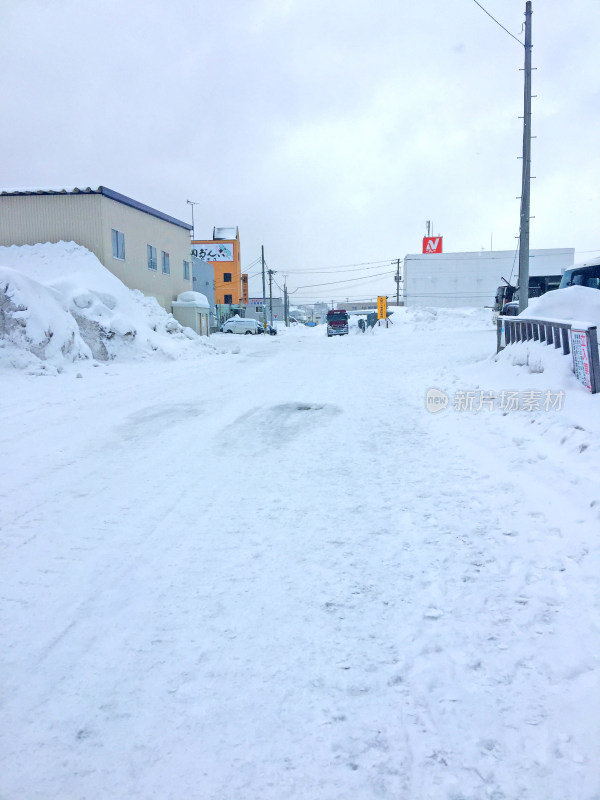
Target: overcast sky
(327,130)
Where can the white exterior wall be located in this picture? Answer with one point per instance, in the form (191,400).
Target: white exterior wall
(192,316)
(140,230)
(252,313)
(87,219)
(35,219)
(453,280)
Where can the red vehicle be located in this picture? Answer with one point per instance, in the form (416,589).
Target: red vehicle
(337,322)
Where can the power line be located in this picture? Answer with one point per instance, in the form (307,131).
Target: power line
(346,267)
(305,298)
(349,280)
(333,267)
(499,23)
(338,270)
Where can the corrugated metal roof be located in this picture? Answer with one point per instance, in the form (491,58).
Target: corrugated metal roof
(225,233)
(106,192)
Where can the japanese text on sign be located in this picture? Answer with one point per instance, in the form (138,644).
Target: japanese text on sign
(216,252)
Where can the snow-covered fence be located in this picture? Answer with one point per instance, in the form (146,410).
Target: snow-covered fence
(580,340)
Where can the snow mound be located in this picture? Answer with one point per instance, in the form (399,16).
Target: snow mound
(577,304)
(443,318)
(572,304)
(194,298)
(59,304)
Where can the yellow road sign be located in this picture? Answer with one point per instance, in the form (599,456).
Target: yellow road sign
(382,308)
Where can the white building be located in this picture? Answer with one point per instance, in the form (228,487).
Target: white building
(143,247)
(254,309)
(471,279)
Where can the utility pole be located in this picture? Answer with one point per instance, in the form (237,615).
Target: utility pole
(262,250)
(286,312)
(397,282)
(271,273)
(526,180)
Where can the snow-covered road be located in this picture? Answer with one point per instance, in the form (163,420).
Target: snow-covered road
(273,574)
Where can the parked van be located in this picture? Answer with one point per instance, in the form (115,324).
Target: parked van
(239,325)
(586,274)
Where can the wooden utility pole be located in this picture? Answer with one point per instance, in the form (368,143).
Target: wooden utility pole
(526,180)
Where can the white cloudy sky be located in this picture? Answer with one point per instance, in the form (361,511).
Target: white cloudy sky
(327,130)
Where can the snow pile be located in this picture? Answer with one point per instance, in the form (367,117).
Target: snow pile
(572,304)
(194,299)
(443,318)
(58,304)
(576,304)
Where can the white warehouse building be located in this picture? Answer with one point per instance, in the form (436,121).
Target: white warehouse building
(453,280)
(143,247)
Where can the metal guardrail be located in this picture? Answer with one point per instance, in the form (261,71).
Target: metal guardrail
(580,342)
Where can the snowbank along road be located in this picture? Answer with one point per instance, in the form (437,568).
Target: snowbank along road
(271,573)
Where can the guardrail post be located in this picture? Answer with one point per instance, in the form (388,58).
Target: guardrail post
(565,341)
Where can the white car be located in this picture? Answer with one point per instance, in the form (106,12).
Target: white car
(239,325)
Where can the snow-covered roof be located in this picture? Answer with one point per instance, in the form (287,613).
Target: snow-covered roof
(193,299)
(103,190)
(225,233)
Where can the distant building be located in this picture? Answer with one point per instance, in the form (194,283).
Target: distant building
(254,309)
(316,312)
(143,247)
(223,252)
(471,279)
(298,314)
(366,305)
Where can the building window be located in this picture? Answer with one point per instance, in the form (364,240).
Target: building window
(186,270)
(118,244)
(259,309)
(228,299)
(166,263)
(152,263)
(227,277)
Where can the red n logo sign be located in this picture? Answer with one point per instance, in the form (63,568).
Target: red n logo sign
(432,244)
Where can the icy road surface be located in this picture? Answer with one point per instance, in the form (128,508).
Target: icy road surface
(272,574)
